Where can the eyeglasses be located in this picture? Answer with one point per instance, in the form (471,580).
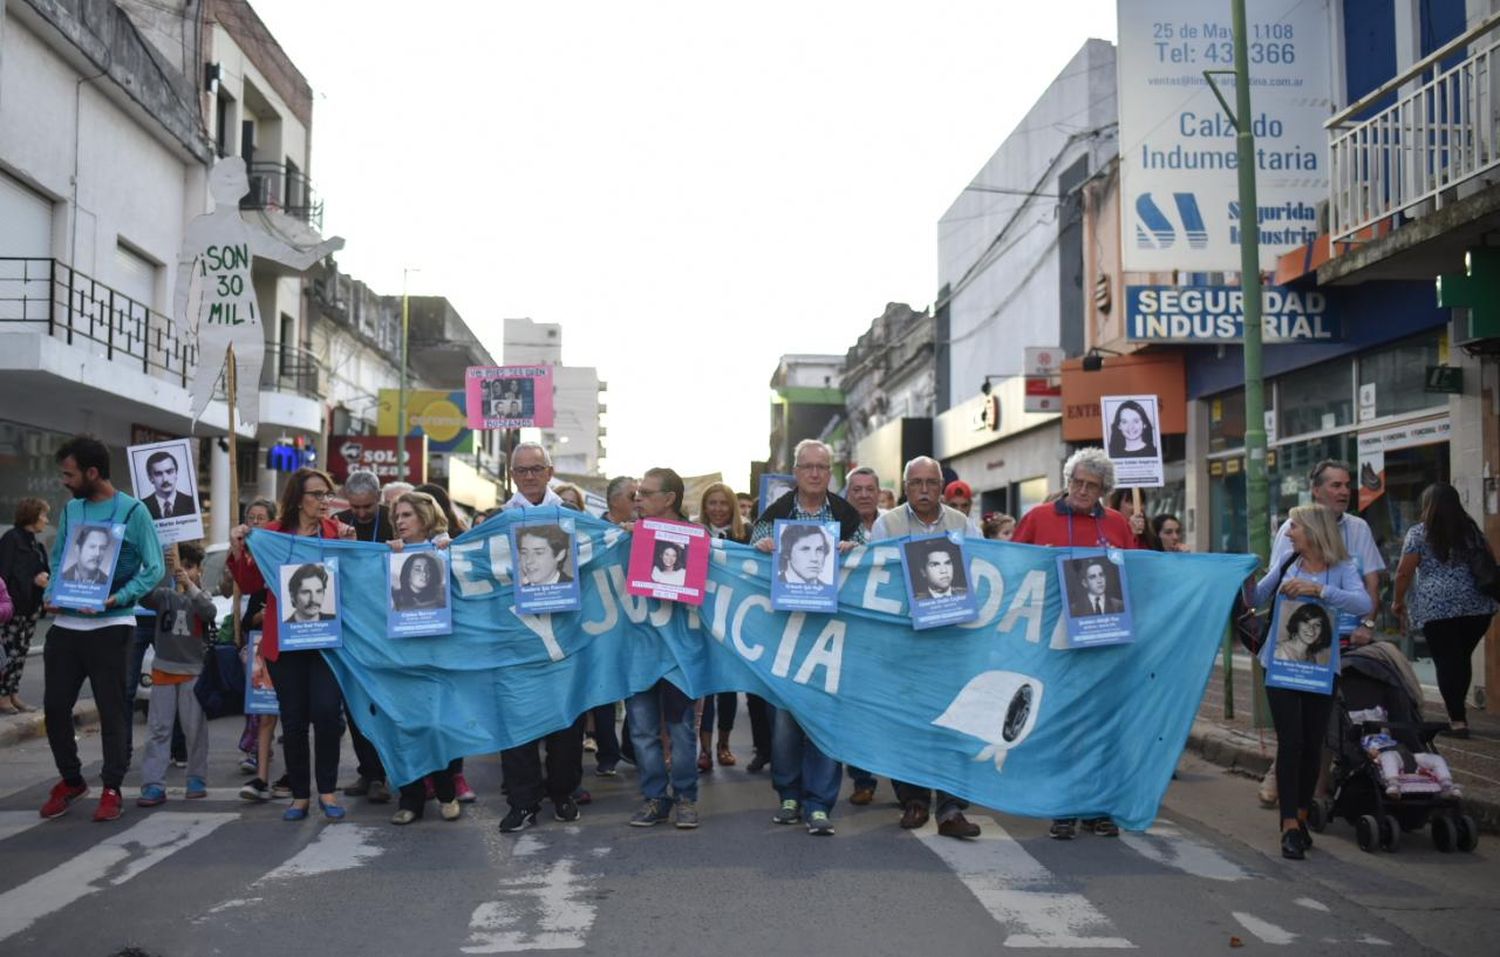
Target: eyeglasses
(322,495)
(647,492)
(529,470)
(1085,485)
(924,483)
(813,467)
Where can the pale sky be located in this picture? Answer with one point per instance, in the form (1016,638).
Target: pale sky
(691,189)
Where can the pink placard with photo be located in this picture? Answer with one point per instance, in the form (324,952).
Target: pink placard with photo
(668,560)
(509,397)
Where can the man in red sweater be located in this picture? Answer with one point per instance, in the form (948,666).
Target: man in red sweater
(1079,519)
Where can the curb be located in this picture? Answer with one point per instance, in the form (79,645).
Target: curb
(1241,753)
(34,725)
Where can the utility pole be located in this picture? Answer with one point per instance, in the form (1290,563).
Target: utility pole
(1257,505)
(402,467)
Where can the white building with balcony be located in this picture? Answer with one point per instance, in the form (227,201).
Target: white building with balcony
(111,115)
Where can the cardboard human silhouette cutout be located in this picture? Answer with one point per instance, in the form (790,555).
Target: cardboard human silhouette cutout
(215,296)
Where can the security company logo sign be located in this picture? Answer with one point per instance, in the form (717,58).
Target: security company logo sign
(1178,155)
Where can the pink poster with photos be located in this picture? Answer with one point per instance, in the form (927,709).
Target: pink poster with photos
(668,560)
(509,397)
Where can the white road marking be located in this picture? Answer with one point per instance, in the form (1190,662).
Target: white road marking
(545,908)
(1168,846)
(1372,939)
(1267,932)
(1311,904)
(110,863)
(338,847)
(1016,889)
(14,822)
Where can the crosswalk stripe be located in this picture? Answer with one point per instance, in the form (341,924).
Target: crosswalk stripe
(546,906)
(1168,846)
(1012,886)
(338,847)
(14,822)
(109,863)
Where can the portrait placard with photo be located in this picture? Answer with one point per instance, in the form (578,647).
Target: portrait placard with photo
(509,397)
(545,558)
(166,481)
(1304,645)
(1132,439)
(668,560)
(804,566)
(88,566)
(1096,598)
(260,694)
(936,571)
(309,606)
(419,605)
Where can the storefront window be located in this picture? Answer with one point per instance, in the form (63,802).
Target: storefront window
(27,470)
(1316,399)
(1030,494)
(1226,502)
(1398,375)
(1407,473)
(1290,485)
(1226,421)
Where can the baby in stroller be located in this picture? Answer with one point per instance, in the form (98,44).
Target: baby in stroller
(1402,771)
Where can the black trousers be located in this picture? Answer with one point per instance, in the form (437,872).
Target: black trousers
(1452,641)
(364,752)
(68,658)
(760,723)
(722,706)
(907,793)
(414,795)
(605,736)
(527,780)
(309,695)
(1301,720)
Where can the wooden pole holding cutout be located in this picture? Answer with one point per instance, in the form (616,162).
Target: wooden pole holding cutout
(234,483)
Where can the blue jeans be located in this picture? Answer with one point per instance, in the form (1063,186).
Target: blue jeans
(799,771)
(646,711)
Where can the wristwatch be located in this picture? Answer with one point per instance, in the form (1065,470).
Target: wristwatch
(1367,623)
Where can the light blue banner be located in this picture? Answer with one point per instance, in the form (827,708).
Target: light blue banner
(997,710)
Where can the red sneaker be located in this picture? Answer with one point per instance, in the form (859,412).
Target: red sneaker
(63,794)
(461,788)
(110,804)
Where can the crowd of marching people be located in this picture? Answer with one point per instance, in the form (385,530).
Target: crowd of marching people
(158,596)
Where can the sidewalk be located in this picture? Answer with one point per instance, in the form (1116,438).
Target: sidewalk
(15,728)
(1238,745)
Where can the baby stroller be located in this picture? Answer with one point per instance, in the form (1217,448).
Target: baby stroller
(1388,778)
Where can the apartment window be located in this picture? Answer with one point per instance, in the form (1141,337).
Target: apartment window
(288,346)
(1317,398)
(135,276)
(224,125)
(27,216)
(1226,421)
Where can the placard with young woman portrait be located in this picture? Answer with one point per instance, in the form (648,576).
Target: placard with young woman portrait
(309,606)
(545,558)
(669,560)
(804,566)
(1304,646)
(938,590)
(418,605)
(1132,439)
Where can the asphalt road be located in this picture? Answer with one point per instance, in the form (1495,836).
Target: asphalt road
(219,876)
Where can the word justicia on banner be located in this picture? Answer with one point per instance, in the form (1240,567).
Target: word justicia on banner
(998,709)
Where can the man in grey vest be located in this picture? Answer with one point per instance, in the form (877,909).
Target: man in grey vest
(924,514)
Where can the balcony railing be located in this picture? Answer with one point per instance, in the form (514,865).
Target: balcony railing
(295,370)
(48,294)
(285,188)
(1437,135)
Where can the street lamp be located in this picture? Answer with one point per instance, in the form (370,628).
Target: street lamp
(402,468)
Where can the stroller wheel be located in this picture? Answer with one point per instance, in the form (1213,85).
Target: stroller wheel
(1367,832)
(1466,837)
(1443,833)
(1390,833)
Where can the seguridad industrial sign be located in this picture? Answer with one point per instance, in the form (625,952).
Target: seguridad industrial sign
(1189,314)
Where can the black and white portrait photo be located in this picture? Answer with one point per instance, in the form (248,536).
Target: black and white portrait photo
(90,559)
(1093,587)
(419,580)
(308,593)
(1131,423)
(165,481)
(805,554)
(509,398)
(936,568)
(542,555)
